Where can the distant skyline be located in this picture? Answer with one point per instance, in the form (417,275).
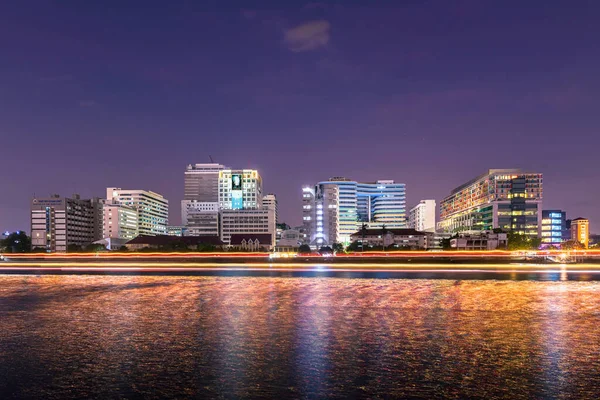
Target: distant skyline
(427,93)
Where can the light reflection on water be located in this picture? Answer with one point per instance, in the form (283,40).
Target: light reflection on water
(235,337)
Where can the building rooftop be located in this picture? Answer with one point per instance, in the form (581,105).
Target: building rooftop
(264,238)
(162,240)
(396,232)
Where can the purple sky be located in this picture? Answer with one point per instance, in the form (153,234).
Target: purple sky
(429,93)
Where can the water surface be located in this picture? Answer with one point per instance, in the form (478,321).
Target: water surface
(289,337)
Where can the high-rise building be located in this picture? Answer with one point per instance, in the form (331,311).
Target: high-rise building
(119,221)
(422,216)
(350,205)
(320,215)
(247,222)
(59,222)
(554,228)
(152,209)
(202,182)
(240,189)
(501,198)
(270,201)
(200,218)
(580,231)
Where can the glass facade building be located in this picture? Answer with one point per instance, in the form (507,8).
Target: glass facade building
(554,228)
(501,198)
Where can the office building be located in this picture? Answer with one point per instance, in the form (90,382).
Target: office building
(554,228)
(176,230)
(422,216)
(580,231)
(270,201)
(240,190)
(501,198)
(200,218)
(392,238)
(246,222)
(152,209)
(320,215)
(119,221)
(202,182)
(59,222)
(350,205)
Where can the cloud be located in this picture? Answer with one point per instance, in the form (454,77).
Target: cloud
(309,36)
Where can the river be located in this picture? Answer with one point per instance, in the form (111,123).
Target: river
(94,336)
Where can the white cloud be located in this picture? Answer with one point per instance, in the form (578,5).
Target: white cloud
(309,36)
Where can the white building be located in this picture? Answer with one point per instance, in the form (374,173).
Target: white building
(422,216)
(59,222)
(270,201)
(152,209)
(320,215)
(479,240)
(200,218)
(240,189)
(119,221)
(247,222)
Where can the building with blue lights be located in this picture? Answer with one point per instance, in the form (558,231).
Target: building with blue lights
(554,228)
(335,209)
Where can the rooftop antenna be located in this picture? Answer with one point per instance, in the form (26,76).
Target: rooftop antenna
(211,160)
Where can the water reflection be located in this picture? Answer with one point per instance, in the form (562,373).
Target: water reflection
(232,337)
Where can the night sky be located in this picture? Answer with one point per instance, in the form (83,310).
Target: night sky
(429,93)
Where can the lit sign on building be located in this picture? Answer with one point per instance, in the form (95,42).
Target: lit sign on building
(237,202)
(236,182)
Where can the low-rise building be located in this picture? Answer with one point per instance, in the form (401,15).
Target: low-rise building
(392,238)
(554,228)
(289,241)
(479,240)
(252,241)
(165,241)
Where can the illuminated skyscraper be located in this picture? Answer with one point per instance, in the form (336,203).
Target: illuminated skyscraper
(353,203)
(202,182)
(152,209)
(240,189)
(501,198)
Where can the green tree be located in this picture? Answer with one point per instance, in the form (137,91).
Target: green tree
(326,250)
(572,245)
(517,241)
(16,242)
(304,249)
(94,248)
(338,247)
(357,246)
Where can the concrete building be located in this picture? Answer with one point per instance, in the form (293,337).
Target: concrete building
(240,190)
(252,241)
(270,201)
(580,231)
(354,203)
(422,216)
(392,238)
(246,222)
(501,198)
(202,182)
(479,240)
(166,241)
(119,221)
(200,218)
(176,230)
(59,222)
(290,241)
(320,215)
(152,209)
(554,228)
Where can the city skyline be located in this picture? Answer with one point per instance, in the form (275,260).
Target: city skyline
(95,98)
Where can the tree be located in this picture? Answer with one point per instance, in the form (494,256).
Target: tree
(357,246)
(74,248)
(304,249)
(338,247)
(94,248)
(573,245)
(518,241)
(16,242)
(326,250)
